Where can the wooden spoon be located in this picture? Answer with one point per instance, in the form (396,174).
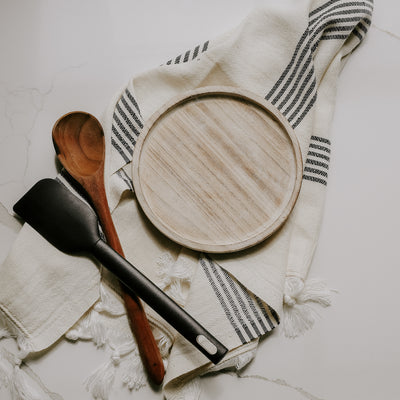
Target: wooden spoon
(79,142)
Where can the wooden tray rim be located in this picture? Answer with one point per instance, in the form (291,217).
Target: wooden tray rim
(227,91)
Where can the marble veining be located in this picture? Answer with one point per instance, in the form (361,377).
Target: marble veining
(21,107)
(393,35)
(281,382)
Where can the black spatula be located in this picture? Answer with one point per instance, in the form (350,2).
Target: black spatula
(71,226)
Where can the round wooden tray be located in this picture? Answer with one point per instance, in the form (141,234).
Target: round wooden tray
(217,170)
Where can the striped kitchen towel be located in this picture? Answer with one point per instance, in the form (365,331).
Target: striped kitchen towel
(289,52)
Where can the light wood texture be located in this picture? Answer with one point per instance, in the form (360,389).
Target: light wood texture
(217,170)
(79,141)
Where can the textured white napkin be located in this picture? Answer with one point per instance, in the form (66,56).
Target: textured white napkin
(291,53)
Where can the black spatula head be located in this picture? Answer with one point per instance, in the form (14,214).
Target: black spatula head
(59,216)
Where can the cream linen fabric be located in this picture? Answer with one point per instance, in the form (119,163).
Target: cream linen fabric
(291,53)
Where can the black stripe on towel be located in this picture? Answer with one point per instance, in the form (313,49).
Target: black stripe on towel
(224,306)
(288,67)
(340,5)
(318,155)
(318,147)
(128,118)
(189,55)
(315,179)
(122,129)
(239,298)
(121,140)
(133,115)
(132,100)
(119,150)
(317,163)
(358,34)
(186,58)
(126,126)
(234,309)
(349,11)
(124,176)
(325,5)
(303,85)
(248,316)
(195,52)
(316,170)
(321,139)
(295,91)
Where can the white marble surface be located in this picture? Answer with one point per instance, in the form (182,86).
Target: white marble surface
(57,56)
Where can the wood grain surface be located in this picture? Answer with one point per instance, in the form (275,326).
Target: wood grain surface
(217,170)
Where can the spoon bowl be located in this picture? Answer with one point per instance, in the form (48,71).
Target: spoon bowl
(78,139)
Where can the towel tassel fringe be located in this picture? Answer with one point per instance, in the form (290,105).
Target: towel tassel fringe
(124,359)
(190,390)
(300,303)
(100,382)
(174,277)
(20,385)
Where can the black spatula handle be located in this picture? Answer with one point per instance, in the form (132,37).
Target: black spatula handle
(160,302)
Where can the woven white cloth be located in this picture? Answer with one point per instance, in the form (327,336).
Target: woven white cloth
(291,53)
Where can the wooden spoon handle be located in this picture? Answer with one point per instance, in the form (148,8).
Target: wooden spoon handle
(148,349)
